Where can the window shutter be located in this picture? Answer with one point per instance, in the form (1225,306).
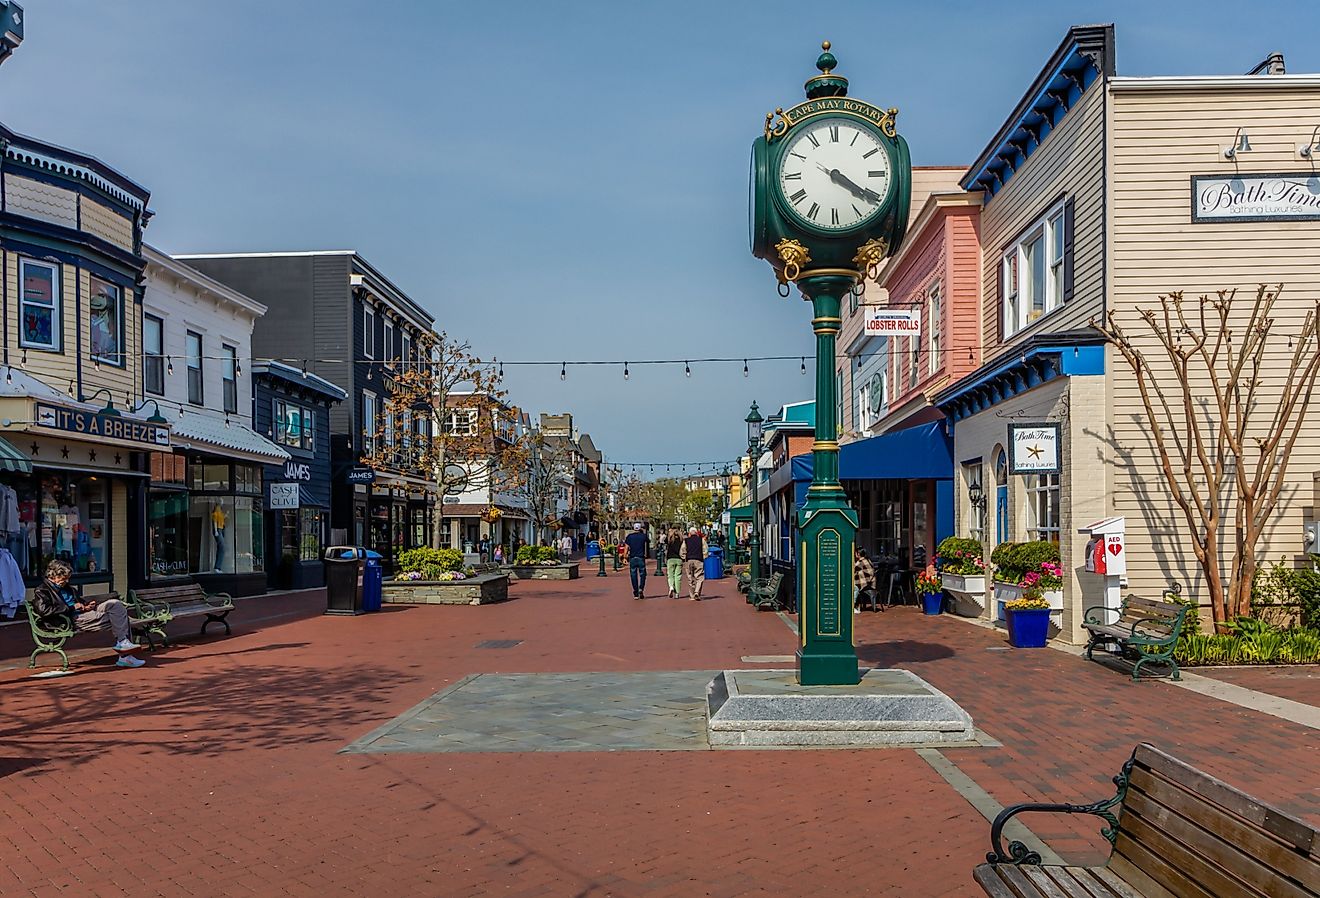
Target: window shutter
(1003,298)
(1068,250)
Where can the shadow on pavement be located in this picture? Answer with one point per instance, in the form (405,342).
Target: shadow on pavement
(887,654)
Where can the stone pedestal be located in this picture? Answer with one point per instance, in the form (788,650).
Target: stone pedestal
(884,708)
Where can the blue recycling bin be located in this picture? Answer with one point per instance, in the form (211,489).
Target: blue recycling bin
(593,549)
(715,563)
(373,579)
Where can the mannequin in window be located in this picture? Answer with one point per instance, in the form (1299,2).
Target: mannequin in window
(218,523)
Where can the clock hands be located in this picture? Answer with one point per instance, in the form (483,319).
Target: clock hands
(848,184)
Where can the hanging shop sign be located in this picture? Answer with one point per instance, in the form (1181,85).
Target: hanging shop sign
(284,495)
(1278,197)
(1033,448)
(893,322)
(90,424)
(360,474)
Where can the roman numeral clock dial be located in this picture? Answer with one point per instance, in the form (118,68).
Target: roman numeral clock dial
(834,174)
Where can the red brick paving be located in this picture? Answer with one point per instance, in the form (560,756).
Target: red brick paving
(1300,683)
(214,770)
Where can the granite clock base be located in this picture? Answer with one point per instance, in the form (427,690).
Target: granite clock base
(887,708)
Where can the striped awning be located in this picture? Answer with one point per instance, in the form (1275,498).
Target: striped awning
(13,460)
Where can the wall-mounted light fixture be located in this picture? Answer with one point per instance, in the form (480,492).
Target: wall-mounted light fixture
(1305,150)
(1241,144)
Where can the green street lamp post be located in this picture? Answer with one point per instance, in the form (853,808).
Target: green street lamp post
(754,422)
(831,189)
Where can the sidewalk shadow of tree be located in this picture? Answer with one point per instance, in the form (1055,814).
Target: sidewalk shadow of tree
(902,651)
(262,707)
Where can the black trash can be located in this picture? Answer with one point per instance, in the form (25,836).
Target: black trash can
(344,569)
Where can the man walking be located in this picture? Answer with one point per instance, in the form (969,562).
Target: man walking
(693,554)
(566,548)
(639,549)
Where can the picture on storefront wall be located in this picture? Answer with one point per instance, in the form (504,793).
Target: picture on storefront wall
(1033,448)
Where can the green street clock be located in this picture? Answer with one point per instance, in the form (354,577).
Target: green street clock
(831,186)
(831,179)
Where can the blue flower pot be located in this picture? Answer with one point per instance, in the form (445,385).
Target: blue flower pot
(1028,629)
(932,603)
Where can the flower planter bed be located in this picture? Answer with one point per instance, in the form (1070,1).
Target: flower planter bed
(543,571)
(968,593)
(1008,592)
(484,589)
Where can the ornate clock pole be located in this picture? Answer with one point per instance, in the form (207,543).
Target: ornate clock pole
(831,187)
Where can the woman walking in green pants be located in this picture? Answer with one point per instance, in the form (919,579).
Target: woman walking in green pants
(674,564)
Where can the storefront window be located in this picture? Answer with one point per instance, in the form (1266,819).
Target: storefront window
(226,530)
(74,518)
(1043,506)
(167,524)
(418,526)
(106,323)
(40,315)
(313,522)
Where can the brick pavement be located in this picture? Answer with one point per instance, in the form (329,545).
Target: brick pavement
(216,769)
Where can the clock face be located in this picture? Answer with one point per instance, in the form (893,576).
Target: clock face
(834,174)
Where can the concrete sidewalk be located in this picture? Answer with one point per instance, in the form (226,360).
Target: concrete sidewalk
(220,768)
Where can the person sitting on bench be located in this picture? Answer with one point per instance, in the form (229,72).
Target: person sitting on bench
(59,606)
(864,584)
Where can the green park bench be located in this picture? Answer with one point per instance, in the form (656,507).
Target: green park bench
(155,607)
(485,567)
(1175,831)
(51,640)
(1146,630)
(765,593)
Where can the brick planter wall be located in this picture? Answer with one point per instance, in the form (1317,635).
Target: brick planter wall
(544,571)
(482,590)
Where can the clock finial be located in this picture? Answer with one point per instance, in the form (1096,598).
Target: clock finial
(826,84)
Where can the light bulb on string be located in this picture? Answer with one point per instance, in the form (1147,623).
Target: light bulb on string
(22,363)
(70,389)
(804,364)
(238,368)
(169,366)
(744,367)
(563,370)
(625,370)
(96,362)
(9,374)
(687,369)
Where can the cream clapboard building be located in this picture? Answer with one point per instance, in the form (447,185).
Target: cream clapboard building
(1090,206)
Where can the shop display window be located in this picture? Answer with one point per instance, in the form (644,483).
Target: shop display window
(167,532)
(312,526)
(70,518)
(226,529)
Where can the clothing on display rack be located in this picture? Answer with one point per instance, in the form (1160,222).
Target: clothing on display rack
(12,589)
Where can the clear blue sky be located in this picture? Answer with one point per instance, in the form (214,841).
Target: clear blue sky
(554,180)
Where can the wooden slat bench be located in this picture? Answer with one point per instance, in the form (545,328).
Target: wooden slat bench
(485,567)
(1177,832)
(765,593)
(1146,630)
(51,640)
(156,607)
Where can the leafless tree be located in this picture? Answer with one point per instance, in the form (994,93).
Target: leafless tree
(1223,433)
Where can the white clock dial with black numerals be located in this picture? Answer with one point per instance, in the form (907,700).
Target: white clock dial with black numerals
(834,174)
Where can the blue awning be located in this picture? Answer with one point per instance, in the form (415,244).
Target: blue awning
(924,452)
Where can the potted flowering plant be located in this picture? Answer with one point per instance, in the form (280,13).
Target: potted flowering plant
(931,592)
(1028,619)
(1022,566)
(961,565)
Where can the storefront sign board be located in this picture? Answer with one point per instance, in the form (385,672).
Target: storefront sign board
(297,470)
(360,474)
(90,424)
(284,495)
(1254,197)
(893,322)
(1033,448)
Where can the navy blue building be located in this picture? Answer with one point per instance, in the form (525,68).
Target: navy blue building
(293,409)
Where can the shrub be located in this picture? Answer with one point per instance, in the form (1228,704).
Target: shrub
(960,555)
(535,555)
(1306,586)
(425,557)
(1029,564)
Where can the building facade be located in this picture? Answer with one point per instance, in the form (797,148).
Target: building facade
(75,452)
(335,315)
(293,410)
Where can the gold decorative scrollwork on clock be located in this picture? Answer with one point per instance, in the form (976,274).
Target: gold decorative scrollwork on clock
(889,122)
(775,129)
(794,255)
(870,254)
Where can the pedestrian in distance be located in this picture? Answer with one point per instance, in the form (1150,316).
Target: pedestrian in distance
(693,554)
(639,550)
(864,585)
(674,562)
(566,548)
(59,606)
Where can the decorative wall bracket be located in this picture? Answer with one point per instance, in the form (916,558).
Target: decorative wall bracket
(869,256)
(794,255)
